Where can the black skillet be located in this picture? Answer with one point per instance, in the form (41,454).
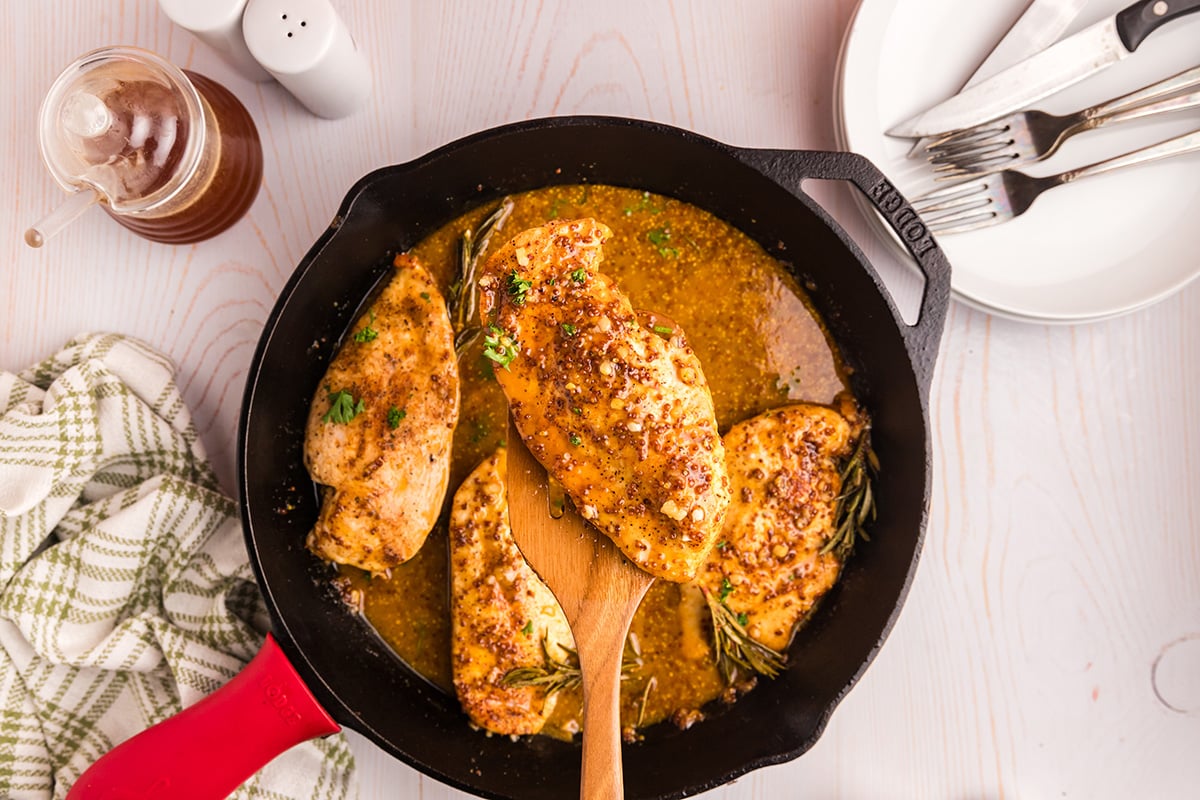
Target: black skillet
(354,676)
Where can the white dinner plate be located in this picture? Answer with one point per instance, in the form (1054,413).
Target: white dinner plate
(1093,249)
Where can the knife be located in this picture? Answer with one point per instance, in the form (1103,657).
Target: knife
(1057,67)
(1037,28)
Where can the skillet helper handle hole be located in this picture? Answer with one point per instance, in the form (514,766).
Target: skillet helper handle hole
(790,168)
(211,747)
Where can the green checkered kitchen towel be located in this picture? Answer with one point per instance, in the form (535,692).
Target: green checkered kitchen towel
(125,591)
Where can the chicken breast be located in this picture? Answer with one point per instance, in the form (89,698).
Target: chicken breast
(621,416)
(502,616)
(784,469)
(380,427)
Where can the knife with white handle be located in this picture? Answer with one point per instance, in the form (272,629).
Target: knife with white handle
(1055,68)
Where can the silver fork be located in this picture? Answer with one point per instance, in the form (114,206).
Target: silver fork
(1029,136)
(999,197)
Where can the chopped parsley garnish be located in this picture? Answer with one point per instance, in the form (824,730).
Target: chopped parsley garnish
(742,619)
(579,275)
(644,205)
(577,411)
(528,629)
(367,334)
(425,296)
(663,330)
(726,590)
(517,287)
(575,439)
(559,202)
(342,407)
(394,416)
(659,237)
(721,545)
(480,431)
(569,329)
(499,347)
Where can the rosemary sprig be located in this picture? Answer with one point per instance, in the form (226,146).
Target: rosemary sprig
(651,685)
(558,674)
(464,299)
(856,504)
(553,676)
(735,647)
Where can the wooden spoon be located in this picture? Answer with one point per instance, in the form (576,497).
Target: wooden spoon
(599,591)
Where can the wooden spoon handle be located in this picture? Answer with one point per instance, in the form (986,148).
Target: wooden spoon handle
(599,591)
(601,666)
(600,627)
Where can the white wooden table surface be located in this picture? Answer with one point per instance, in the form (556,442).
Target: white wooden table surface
(1063,554)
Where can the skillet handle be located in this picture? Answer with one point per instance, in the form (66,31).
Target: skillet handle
(211,747)
(789,168)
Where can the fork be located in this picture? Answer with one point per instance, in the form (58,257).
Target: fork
(999,197)
(1029,136)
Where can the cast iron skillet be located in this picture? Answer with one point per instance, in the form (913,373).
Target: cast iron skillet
(349,670)
(356,677)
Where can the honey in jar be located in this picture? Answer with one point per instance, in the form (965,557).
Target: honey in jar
(169,154)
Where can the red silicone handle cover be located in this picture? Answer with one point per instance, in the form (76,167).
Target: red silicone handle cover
(210,748)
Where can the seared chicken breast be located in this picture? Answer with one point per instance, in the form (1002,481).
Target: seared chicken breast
(784,469)
(502,616)
(380,427)
(618,414)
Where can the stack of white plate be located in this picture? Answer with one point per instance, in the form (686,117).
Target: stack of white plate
(1093,249)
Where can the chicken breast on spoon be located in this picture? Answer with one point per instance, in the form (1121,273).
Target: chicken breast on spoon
(618,414)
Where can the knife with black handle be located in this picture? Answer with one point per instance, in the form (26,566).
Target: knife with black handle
(1055,68)
(1140,20)
(1037,28)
